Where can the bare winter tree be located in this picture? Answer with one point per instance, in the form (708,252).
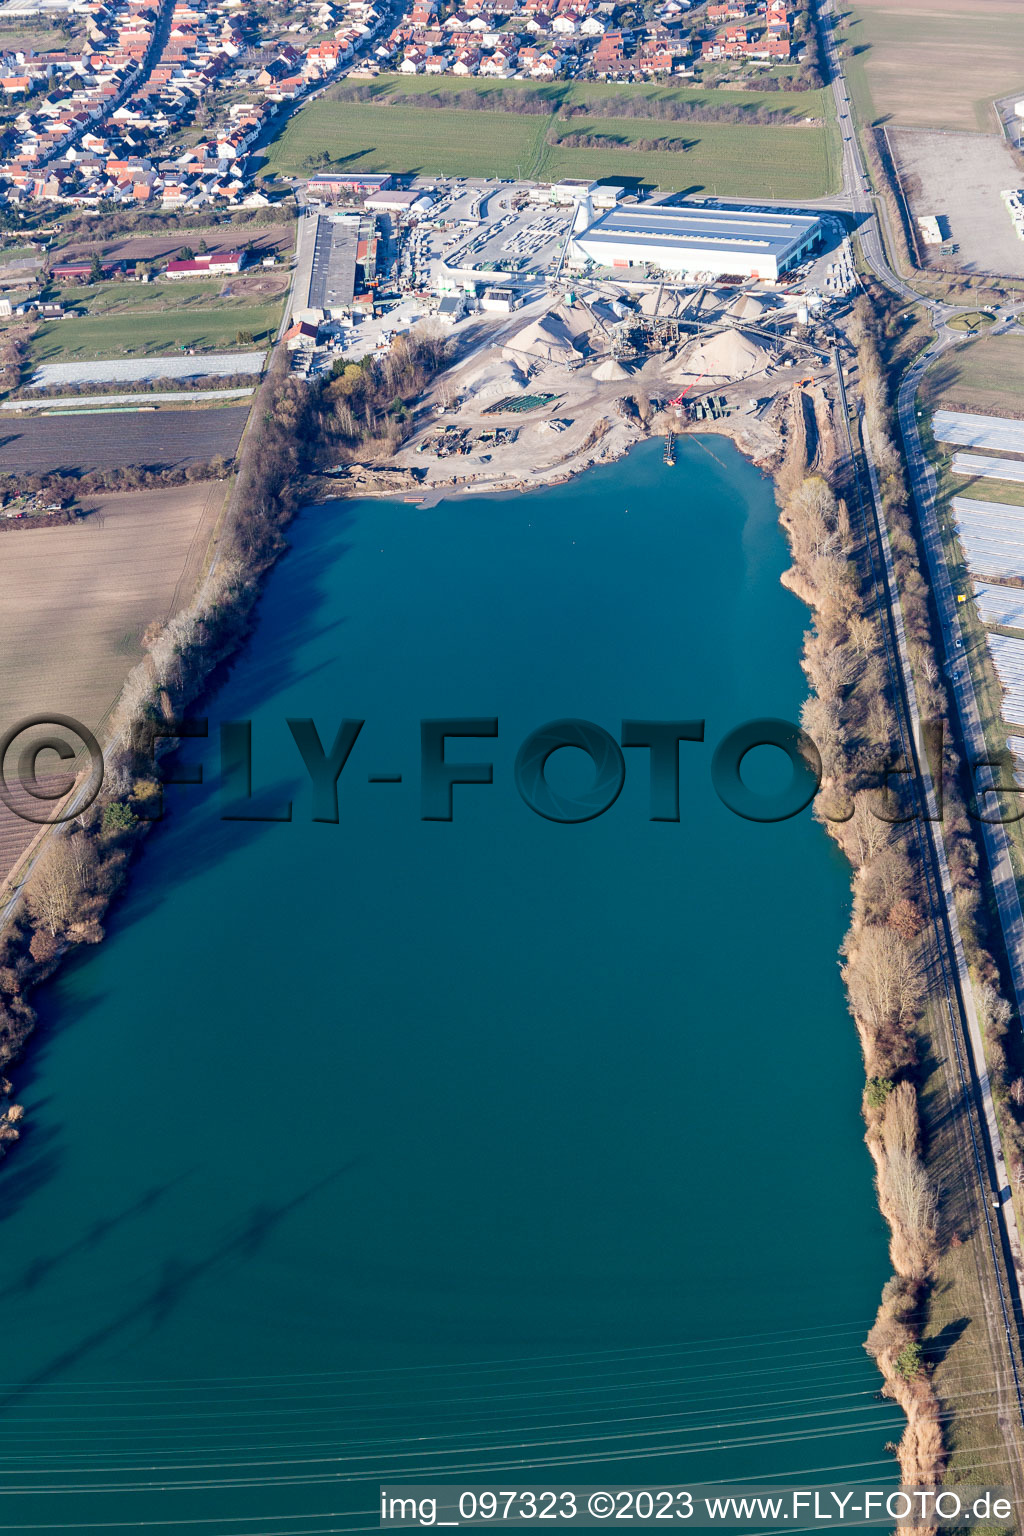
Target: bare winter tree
(916,1206)
(870,835)
(884,978)
(821,720)
(994,1011)
(55,886)
(901,1127)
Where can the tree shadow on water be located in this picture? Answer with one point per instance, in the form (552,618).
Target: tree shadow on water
(175,1280)
(195,838)
(287,618)
(193,835)
(23,1174)
(39,1269)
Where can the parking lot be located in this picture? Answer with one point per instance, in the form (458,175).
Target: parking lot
(486,227)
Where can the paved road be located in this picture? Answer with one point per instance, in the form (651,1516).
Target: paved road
(991,1164)
(958,672)
(856,186)
(924,488)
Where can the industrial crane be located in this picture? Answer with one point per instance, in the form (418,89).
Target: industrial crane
(680,398)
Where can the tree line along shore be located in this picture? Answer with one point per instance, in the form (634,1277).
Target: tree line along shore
(890,952)
(362,414)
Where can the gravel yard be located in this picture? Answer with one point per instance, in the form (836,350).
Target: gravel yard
(958,177)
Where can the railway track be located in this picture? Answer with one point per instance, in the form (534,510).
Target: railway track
(981,1152)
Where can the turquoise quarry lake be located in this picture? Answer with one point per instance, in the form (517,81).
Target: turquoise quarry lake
(393,1149)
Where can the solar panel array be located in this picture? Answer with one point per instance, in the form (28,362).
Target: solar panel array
(988,469)
(1008,656)
(968,431)
(992,536)
(1000,605)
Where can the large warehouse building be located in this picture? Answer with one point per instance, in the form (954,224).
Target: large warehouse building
(336,259)
(750,242)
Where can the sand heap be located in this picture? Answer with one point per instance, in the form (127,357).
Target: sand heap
(726,355)
(494,379)
(746,307)
(546,340)
(666,303)
(608,371)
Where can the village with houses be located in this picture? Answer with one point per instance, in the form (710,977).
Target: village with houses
(162,101)
(549,39)
(110,122)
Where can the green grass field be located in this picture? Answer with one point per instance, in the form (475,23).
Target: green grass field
(726,158)
(974,320)
(366,137)
(983,374)
(148,299)
(795,106)
(148,335)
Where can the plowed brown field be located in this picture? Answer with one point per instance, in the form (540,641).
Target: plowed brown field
(160,439)
(75,601)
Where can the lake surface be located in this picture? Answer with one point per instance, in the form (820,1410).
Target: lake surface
(386,1149)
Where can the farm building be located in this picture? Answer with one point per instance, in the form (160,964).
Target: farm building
(80,271)
(751,242)
(216,264)
(301,334)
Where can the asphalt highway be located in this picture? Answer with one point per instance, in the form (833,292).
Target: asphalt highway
(968,1043)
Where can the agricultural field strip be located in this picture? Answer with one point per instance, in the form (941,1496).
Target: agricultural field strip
(75,602)
(109,440)
(125,301)
(925,65)
(582,93)
(216,364)
(267,239)
(986,468)
(1008,656)
(1000,605)
(965,430)
(155,397)
(734,159)
(992,535)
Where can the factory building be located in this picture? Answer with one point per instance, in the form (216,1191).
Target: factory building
(329,184)
(337,262)
(749,242)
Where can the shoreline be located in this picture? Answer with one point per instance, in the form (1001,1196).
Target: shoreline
(389,482)
(373,480)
